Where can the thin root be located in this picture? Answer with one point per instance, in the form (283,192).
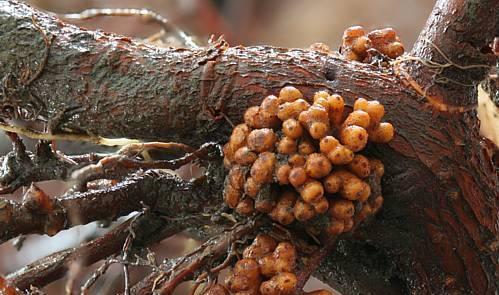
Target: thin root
(34,134)
(434,101)
(134,149)
(166,25)
(437,69)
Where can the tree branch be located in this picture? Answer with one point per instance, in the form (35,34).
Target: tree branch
(459,36)
(169,278)
(162,191)
(149,229)
(21,168)
(438,225)
(168,109)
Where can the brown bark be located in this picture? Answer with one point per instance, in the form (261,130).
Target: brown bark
(463,31)
(439,224)
(164,192)
(55,265)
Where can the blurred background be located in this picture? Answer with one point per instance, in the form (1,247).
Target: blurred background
(291,23)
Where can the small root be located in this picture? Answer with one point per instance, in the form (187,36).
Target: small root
(435,65)
(95,276)
(34,134)
(434,101)
(166,25)
(135,149)
(437,69)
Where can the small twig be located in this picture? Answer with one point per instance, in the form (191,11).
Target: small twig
(230,254)
(74,208)
(35,134)
(54,266)
(21,168)
(210,251)
(436,69)
(127,245)
(95,276)
(120,164)
(133,149)
(165,23)
(11,180)
(215,270)
(434,101)
(184,258)
(450,62)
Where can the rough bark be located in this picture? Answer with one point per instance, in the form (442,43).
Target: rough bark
(438,228)
(464,31)
(163,191)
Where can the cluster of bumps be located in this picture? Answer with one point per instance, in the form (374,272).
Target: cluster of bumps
(266,268)
(295,161)
(359,46)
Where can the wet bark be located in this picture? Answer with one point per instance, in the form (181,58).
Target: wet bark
(163,191)
(437,233)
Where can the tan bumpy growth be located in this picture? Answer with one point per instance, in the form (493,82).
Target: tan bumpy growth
(357,44)
(267,267)
(296,159)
